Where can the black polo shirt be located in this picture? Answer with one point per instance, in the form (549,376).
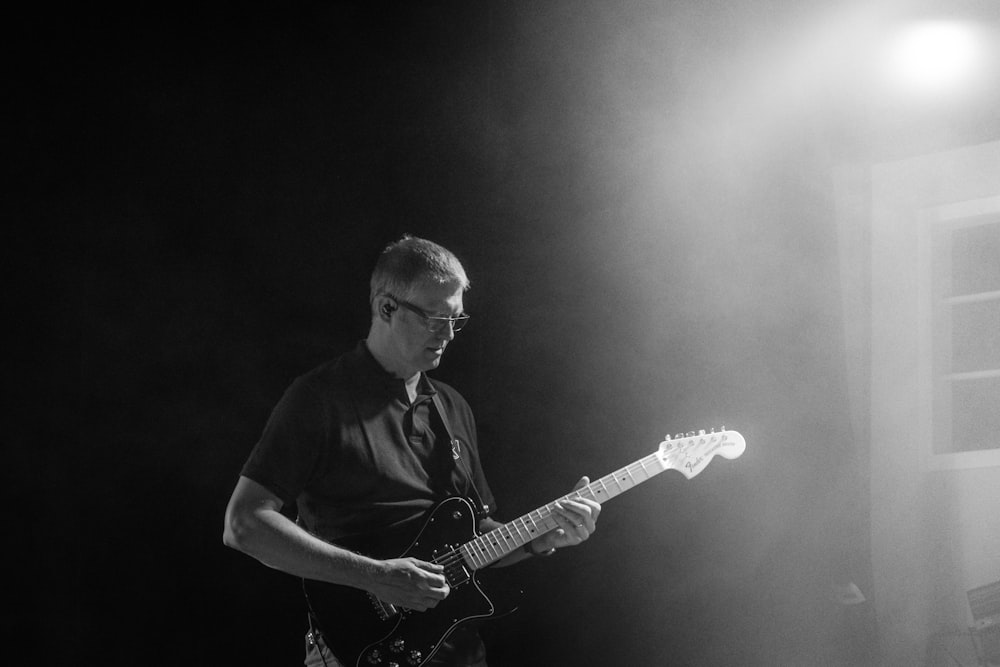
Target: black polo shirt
(347,446)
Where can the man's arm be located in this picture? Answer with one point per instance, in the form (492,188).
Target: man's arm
(255,525)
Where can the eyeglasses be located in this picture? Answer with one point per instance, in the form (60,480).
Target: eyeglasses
(434,324)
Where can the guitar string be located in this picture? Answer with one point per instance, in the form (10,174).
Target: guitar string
(479,549)
(481,546)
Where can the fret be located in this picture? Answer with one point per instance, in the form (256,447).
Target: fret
(604,488)
(614,478)
(484,540)
(533,531)
(624,479)
(503,536)
(520,536)
(469,553)
(629,473)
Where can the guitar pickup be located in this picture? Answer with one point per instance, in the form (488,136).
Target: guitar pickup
(455,570)
(383,610)
(456,575)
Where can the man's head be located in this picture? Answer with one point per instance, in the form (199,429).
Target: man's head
(410,262)
(416,302)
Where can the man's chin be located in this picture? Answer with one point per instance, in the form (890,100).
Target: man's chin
(430,361)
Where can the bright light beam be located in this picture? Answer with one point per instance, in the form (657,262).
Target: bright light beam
(932,57)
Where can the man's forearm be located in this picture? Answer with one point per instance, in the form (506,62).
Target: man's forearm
(278,542)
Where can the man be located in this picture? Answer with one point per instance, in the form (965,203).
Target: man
(366,444)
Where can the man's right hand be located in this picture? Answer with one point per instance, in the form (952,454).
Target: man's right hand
(410,583)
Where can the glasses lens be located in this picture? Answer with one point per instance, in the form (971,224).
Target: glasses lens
(439,324)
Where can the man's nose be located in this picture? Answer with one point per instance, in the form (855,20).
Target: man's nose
(447,332)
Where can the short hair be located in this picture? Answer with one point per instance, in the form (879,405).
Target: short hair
(410,261)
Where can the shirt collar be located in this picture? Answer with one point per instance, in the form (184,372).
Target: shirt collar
(375,377)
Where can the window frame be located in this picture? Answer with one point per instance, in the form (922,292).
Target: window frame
(935,334)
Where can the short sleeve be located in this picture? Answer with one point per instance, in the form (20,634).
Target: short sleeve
(289,449)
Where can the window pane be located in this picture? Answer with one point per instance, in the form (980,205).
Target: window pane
(975,259)
(975,415)
(975,336)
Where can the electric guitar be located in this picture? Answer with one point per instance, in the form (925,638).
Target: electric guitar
(364,631)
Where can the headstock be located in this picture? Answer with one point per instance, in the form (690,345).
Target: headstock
(691,452)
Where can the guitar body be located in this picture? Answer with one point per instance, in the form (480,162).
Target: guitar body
(362,631)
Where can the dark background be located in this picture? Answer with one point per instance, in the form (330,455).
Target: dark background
(646,212)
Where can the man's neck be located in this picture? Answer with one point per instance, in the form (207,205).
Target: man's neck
(411,380)
(411,385)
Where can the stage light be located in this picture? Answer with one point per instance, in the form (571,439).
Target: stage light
(932,57)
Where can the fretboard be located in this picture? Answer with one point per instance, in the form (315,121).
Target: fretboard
(494,545)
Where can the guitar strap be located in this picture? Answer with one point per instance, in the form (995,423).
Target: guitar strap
(461,461)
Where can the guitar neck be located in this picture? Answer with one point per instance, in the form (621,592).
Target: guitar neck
(499,542)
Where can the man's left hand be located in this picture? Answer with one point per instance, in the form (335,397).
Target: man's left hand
(577,521)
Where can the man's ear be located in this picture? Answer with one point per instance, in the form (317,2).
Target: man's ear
(385,307)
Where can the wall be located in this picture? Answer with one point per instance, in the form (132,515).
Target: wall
(934,532)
